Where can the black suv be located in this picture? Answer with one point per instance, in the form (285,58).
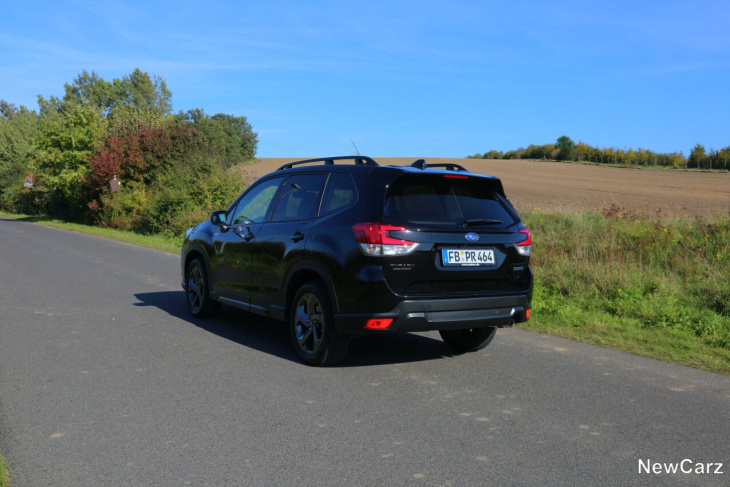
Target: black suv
(338,250)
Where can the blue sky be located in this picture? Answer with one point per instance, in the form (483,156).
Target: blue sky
(400,78)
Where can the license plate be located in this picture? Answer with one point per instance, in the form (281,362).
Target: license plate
(467,257)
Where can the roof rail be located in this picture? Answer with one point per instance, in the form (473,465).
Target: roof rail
(449,166)
(359,161)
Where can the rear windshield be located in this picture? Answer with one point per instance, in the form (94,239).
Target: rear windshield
(437,201)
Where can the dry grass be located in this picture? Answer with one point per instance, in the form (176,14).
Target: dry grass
(653,288)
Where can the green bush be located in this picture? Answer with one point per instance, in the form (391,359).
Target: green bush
(122,209)
(184,194)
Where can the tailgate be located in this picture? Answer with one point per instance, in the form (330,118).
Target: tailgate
(467,235)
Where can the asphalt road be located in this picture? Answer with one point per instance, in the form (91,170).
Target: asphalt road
(105,381)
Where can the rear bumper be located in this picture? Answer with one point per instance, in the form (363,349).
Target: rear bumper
(442,314)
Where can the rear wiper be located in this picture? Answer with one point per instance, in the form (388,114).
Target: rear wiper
(480,222)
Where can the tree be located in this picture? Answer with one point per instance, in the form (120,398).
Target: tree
(534,152)
(97,130)
(566,148)
(66,140)
(89,89)
(582,151)
(631,157)
(72,129)
(135,101)
(697,156)
(677,159)
(137,90)
(126,119)
(141,91)
(231,139)
(18,131)
(723,158)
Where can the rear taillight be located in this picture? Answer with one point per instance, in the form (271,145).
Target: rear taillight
(525,247)
(376,239)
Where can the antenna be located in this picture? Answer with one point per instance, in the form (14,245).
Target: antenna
(357,152)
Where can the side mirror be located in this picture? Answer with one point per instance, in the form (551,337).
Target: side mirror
(219,218)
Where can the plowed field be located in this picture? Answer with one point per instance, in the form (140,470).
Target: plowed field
(554,186)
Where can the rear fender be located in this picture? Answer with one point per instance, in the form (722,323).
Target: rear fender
(306,271)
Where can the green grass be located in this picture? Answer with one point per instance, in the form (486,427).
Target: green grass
(649,287)
(4,473)
(158,242)
(657,288)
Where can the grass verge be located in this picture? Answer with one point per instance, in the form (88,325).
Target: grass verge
(649,287)
(656,288)
(158,242)
(4,473)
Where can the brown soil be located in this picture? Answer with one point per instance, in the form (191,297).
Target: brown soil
(555,186)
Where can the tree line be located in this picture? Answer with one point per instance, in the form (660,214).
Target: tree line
(565,149)
(112,153)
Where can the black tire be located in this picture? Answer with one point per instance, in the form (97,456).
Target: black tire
(469,340)
(312,327)
(197,294)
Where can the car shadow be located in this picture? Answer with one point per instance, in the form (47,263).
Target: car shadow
(272,337)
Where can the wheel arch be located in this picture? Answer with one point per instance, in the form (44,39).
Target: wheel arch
(194,252)
(305,273)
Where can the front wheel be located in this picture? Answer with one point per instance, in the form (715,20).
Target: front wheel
(469,340)
(197,290)
(312,328)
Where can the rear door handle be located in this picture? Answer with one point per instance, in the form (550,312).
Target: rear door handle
(297,236)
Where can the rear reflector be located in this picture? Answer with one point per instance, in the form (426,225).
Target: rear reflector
(527,314)
(378,323)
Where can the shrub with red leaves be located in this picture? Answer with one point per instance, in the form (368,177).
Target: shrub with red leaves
(137,156)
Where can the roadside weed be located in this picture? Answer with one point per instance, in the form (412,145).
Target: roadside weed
(652,287)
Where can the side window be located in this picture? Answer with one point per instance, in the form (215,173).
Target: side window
(340,193)
(252,208)
(299,198)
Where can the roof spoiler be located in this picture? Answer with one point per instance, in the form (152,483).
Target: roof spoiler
(449,166)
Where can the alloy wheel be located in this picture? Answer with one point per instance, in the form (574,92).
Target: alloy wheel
(309,323)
